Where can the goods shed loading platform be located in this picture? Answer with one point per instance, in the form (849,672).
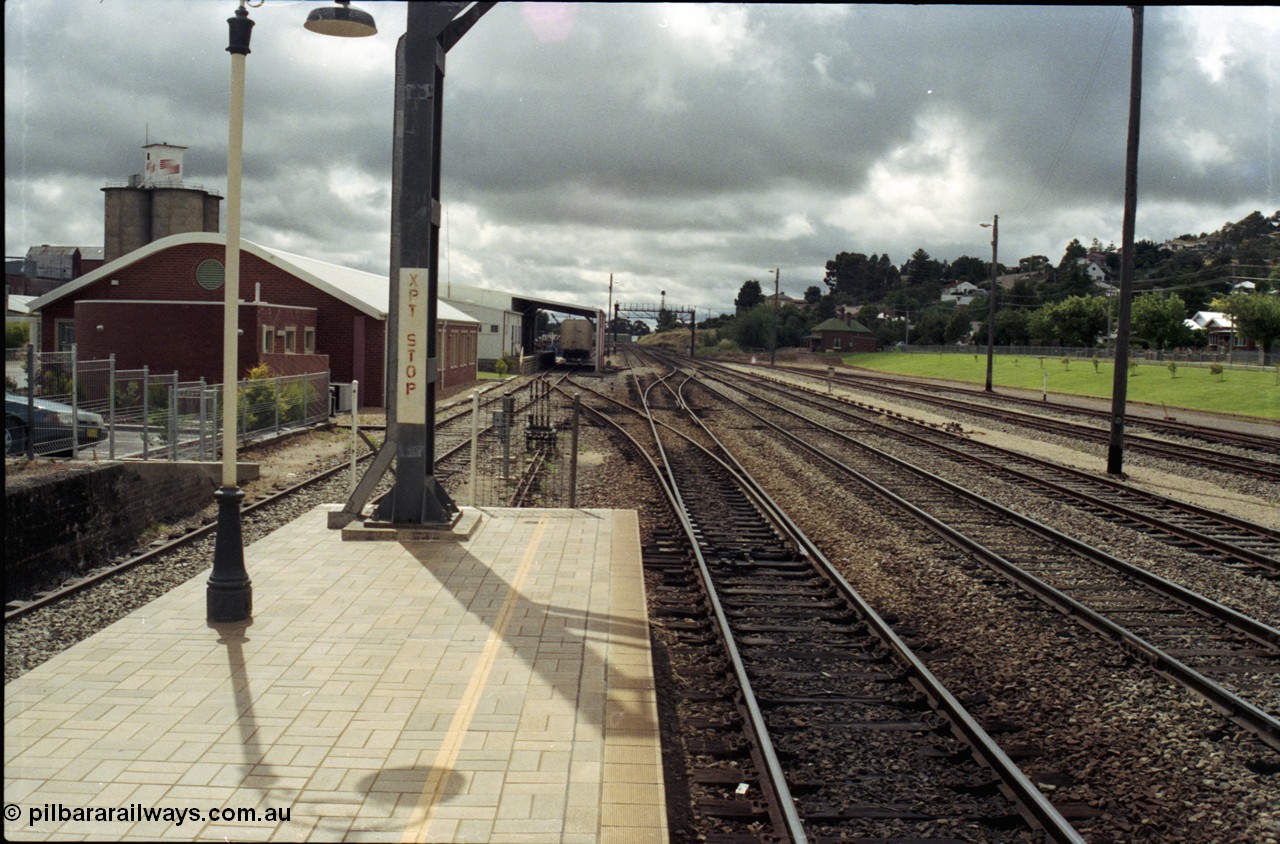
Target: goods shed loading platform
(497,688)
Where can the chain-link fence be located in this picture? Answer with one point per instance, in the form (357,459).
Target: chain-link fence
(525,457)
(58,405)
(1239,358)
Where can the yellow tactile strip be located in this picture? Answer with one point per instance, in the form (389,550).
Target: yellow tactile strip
(497,689)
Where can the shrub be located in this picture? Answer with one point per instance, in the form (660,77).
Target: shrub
(1172,366)
(16,334)
(502,366)
(1216,369)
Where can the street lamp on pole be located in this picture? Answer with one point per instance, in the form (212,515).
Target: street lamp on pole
(994,225)
(229,594)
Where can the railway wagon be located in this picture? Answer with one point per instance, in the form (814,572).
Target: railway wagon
(577,340)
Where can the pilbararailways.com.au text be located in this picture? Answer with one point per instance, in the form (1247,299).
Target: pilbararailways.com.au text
(138,813)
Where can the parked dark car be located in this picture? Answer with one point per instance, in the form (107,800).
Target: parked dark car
(50,428)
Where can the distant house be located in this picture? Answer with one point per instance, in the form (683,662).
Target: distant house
(1208,243)
(1216,326)
(841,335)
(780,299)
(1095,270)
(960,292)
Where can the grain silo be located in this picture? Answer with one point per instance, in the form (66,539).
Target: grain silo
(155,203)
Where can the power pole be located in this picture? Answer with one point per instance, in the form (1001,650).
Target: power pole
(991,311)
(773,344)
(1120,379)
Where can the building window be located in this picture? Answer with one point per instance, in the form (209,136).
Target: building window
(268,339)
(65,334)
(835,344)
(290,340)
(493,329)
(309,341)
(210,274)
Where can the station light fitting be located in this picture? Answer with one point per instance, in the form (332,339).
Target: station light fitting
(341,20)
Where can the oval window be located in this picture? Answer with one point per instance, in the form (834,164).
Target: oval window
(209,274)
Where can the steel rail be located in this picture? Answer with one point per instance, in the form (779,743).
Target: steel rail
(1269,444)
(1243,713)
(790,822)
(1136,442)
(1190,534)
(1031,803)
(1036,808)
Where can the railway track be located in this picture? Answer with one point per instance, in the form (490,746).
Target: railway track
(827,691)
(1265,442)
(802,713)
(1248,547)
(1262,463)
(1167,626)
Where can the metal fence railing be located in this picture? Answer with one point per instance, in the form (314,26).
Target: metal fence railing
(1235,359)
(56,404)
(525,458)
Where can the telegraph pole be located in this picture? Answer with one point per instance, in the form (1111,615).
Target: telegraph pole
(773,344)
(991,311)
(1120,378)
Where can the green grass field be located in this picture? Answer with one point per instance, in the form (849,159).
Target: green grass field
(1241,392)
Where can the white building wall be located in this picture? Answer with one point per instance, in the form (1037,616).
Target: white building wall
(499,328)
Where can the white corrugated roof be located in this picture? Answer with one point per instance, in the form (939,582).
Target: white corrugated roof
(19,304)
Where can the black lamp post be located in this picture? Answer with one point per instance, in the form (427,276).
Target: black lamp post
(229,594)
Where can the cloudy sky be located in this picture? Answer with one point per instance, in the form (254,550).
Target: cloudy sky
(684,148)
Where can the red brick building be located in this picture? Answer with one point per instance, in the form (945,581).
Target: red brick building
(161,306)
(841,335)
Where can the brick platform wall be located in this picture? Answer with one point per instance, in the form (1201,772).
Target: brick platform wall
(57,526)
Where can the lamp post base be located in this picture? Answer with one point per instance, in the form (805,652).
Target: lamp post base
(229,594)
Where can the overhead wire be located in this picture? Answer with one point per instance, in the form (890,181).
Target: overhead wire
(1075,116)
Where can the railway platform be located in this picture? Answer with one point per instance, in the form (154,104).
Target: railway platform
(495,688)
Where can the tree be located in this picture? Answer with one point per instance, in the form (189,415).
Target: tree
(1159,320)
(959,326)
(1011,327)
(1075,251)
(968,268)
(859,278)
(1075,321)
(1256,317)
(812,294)
(930,327)
(749,295)
(825,309)
(1033,264)
(751,329)
(921,268)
